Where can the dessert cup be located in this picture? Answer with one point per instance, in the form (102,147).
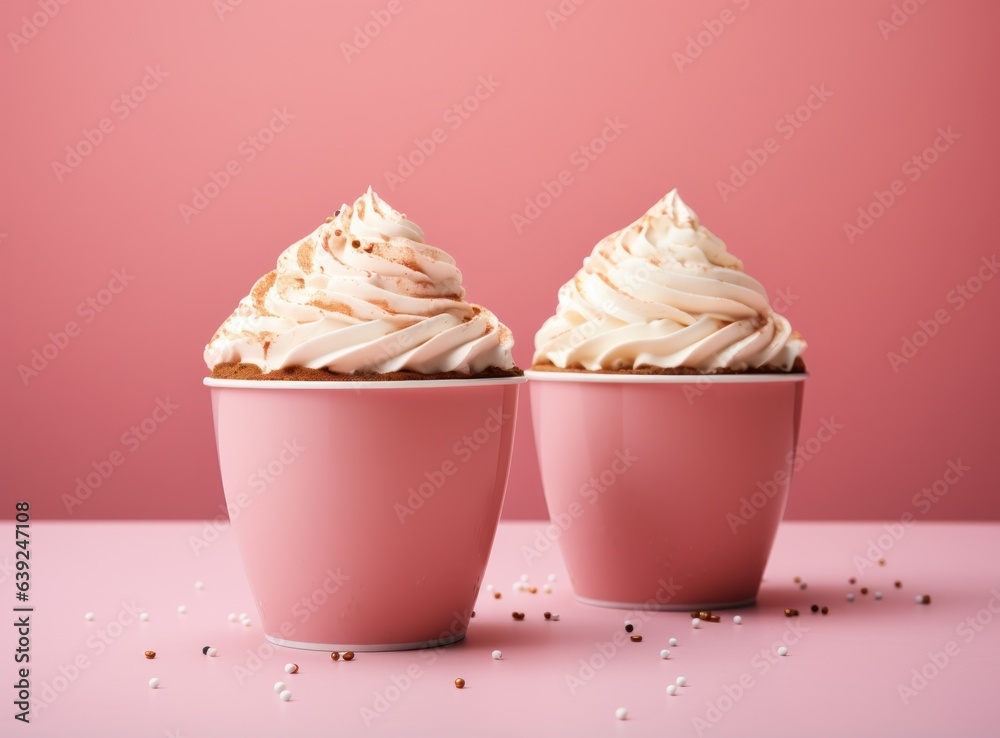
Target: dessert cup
(364,512)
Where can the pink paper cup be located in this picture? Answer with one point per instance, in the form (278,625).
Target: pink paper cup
(665,492)
(364,512)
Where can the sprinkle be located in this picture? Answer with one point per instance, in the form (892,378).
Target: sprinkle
(497,595)
(878,595)
(460,683)
(635,638)
(922,599)
(497,655)
(337,213)
(547,589)
(628,626)
(737,619)
(714,618)
(473,614)
(671,689)
(797,580)
(803,585)
(232,617)
(672,641)
(291,668)
(150,654)
(154,683)
(552,577)
(665,653)
(285,696)
(533,590)
(814,608)
(824,609)
(850,597)
(864,590)
(520,586)
(211,652)
(489,587)
(335,656)
(89,616)
(205,650)
(247,622)
(898,584)
(682,681)
(881,562)
(356,243)
(547,615)
(852,580)
(181,609)
(517,615)
(782,651)
(144,616)
(338,232)
(791,612)
(555,616)
(243,616)
(199,585)
(621,713)
(348,655)
(695,623)
(524,577)
(278,686)
(329,219)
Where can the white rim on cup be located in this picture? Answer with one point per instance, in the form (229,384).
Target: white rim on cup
(349,385)
(584,376)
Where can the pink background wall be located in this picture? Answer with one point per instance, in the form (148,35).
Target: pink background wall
(109,227)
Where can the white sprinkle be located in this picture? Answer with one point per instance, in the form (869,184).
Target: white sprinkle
(524,577)
(154,683)
(695,623)
(621,713)
(547,589)
(247,622)
(285,696)
(554,616)
(243,616)
(211,652)
(672,641)
(89,616)
(552,577)
(665,653)
(737,619)
(782,651)
(144,616)
(489,587)
(291,668)
(199,585)
(681,681)
(497,655)
(182,609)
(918,599)
(279,686)
(671,689)
(878,595)
(519,586)
(232,617)
(850,597)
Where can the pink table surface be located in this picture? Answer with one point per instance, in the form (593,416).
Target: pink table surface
(841,677)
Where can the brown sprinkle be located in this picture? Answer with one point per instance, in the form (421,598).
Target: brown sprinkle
(852,580)
(714,618)
(899,584)
(533,590)
(497,595)
(348,655)
(356,243)
(460,682)
(814,608)
(791,612)
(473,613)
(337,213)
(547,615)
(329,219)
(881,562)
(150,654)
(825,609)
(335,656)
(797,580)
(517,615)
(925,599)
(338,232)
(635,638)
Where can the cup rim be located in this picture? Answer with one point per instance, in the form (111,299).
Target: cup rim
(348,385)
(594,377)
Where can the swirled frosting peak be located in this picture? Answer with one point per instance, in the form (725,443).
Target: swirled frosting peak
(363,293)
(664,292)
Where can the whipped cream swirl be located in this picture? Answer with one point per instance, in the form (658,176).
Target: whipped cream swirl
(363,293)
(664,292)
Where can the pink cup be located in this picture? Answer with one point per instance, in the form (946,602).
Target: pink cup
(665,492)
(364,512)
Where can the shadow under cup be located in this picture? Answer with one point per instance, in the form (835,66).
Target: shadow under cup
(665,491)
(364,512)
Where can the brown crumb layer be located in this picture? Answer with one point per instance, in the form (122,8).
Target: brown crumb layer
(798,367)
(234,370)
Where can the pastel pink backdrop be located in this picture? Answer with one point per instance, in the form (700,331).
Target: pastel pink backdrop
(550,91)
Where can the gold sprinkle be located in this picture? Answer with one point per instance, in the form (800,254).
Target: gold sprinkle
(791,612)
(150,654)
(533,590)
(635,638)
(460,682)
(348,655)
(335,656)
(497,595)
(329,219)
